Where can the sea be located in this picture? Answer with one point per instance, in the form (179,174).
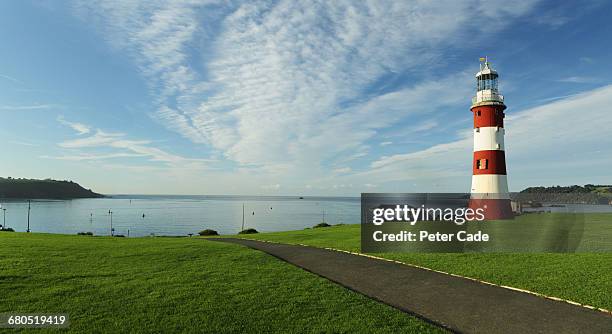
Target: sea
(164,215)
(158,215)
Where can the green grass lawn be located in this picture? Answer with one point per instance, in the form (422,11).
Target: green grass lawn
(582,277)
(165,285)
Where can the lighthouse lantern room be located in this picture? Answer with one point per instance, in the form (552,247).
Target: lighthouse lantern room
(489,178)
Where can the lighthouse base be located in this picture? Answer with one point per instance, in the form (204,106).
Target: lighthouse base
(494,209)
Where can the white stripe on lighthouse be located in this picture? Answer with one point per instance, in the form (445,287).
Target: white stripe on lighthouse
(489,138)
(491,186)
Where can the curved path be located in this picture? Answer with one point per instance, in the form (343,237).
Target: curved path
(458,304)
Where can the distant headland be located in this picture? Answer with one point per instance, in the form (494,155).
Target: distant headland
(11,188)
(587,194)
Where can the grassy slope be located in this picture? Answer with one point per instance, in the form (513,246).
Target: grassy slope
(582,277)
(178,284)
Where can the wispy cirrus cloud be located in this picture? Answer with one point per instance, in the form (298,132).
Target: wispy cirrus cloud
(277,82)
(80,128)
(578,79)
(87,157)
(537,148)
(27,107)
(10,78)
(23,143)
(123,146)
(99,138)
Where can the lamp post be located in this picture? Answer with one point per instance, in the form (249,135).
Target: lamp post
(242,217)
(110,213)
(28,230)
(4,217)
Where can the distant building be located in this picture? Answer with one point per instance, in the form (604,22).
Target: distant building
(517,207)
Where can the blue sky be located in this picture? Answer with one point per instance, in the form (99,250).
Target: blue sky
(288,97)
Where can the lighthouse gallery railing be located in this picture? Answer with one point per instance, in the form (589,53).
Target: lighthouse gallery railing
(487,96)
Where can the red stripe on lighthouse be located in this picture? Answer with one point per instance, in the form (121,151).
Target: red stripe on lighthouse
(489,162)
(489,115)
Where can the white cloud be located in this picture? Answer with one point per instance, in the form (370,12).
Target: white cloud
(124,148)
(425,126)
(343,170)
(553,20)
(555,98)
(578,79)
(566,139)
(28,107)
(100,138)
(280,85)
(85,157)
(81,129)
(9,78)
(271,187)
(22,143)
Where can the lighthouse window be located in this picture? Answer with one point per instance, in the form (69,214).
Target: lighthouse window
(482,163)
(478,113)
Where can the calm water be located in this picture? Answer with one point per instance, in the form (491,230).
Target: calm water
(180,215)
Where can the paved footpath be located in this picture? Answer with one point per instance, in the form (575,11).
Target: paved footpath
(458,304)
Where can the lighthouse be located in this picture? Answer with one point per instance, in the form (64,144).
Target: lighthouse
(489,178)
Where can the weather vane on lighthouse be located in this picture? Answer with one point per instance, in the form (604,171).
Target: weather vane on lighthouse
(489,179)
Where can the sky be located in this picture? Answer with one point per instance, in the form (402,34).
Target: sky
(299,97)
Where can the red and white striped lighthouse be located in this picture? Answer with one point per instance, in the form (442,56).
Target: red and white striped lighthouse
(489,180)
